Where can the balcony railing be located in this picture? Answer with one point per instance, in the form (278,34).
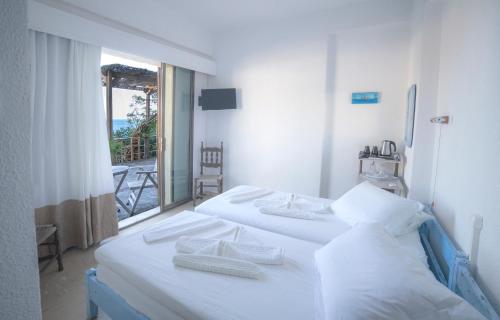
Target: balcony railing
(133,149)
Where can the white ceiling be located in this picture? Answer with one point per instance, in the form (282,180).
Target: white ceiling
(218,15)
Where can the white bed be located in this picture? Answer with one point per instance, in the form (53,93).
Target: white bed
(321,230)
(144,275)
(138,280)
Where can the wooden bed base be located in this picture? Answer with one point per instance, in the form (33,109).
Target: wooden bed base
(449,265)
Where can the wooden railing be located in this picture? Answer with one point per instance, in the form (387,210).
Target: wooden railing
(134,148)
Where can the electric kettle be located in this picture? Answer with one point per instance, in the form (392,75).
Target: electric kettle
(386,148)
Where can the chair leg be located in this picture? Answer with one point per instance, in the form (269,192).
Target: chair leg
(60,265)
(195,192)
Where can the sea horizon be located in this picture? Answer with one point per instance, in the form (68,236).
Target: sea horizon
(120,124)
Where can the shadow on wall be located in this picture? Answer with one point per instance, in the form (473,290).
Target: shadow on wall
(446,216)
(326,157)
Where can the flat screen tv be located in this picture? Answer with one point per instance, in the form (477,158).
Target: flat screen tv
(217,99)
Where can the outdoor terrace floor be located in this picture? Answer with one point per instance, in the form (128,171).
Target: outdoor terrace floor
(149,197)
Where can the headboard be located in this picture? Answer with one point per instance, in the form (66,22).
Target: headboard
(451,267)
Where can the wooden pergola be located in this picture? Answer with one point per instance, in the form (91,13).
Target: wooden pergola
(130,78)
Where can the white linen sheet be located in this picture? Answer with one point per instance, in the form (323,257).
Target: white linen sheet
(322,229)
(239,196)
(284,291)
(135,297)
(179,229)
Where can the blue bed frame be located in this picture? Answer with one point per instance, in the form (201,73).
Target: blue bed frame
(449,265)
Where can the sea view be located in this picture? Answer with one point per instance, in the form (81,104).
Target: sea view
(120,123)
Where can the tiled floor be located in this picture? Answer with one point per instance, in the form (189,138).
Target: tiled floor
(63,293)
(149,197)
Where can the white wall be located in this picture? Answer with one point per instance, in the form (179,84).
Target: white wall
(367,59)
(424,72)
(274,139)
(468,180)
(465,56)
(152,16)
(19,284)
(288,73)
(108,24)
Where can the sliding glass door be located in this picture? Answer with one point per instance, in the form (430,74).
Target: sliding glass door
(182,162)
(175,131)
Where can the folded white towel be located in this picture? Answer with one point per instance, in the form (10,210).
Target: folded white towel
(289,213)
(217,264)
(236,234)
(246,251)
(294,201)
(248,195)
(179,229)
(232,234)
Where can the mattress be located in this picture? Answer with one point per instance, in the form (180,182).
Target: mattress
(321,230)
(144,275)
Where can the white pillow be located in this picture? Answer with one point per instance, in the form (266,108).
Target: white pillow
(365,274)
(412,244)
(368,203)
(418,219)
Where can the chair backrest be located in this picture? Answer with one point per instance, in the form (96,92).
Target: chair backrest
(211,157)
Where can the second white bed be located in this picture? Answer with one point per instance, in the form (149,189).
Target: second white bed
(321,230)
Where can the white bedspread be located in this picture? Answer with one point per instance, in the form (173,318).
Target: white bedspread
(322,229)
(284,292)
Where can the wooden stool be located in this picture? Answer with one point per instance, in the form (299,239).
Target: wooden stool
(43,234)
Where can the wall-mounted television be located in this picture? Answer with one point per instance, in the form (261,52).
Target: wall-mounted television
(217,99)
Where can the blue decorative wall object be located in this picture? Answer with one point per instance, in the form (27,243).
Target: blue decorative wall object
(365,97)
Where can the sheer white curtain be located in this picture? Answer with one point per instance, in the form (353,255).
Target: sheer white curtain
(71,167)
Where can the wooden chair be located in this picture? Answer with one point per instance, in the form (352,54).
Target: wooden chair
(211,158)
(44,233)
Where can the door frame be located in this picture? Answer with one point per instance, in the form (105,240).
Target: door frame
(162,143)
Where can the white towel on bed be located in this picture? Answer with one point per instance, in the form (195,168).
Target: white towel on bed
(175,230)
(217,264)
(294,201)
(247,251)
(288,213)
(247,195)
(236,234)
